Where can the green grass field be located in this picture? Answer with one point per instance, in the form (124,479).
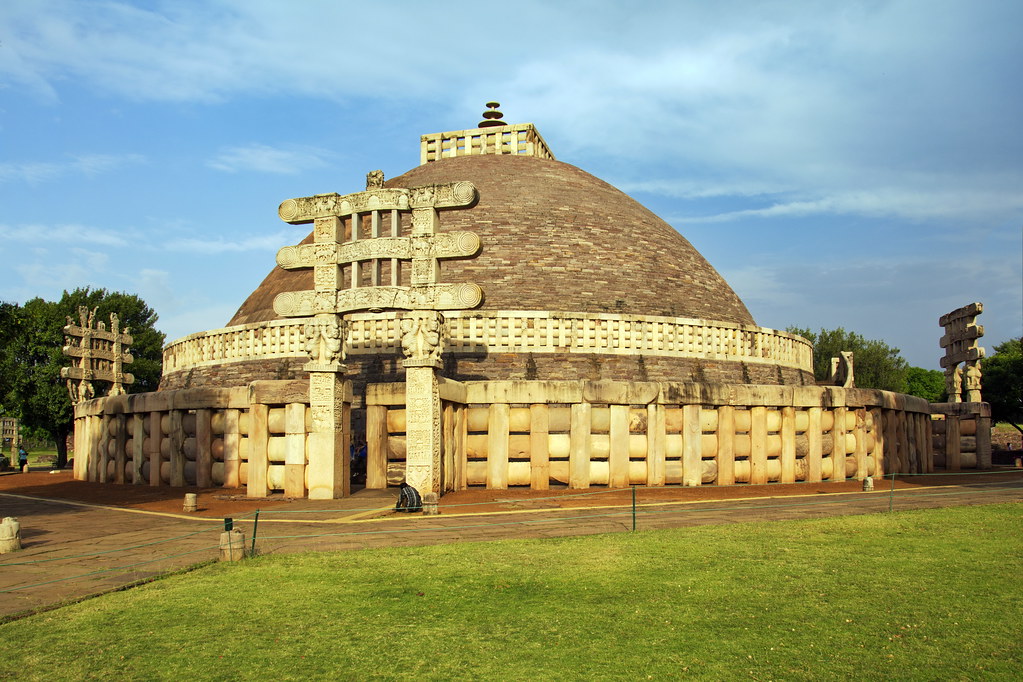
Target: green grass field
(924,595)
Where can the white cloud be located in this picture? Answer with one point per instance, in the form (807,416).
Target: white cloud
(894,299)
(62,234)
(941,203)
(264,159)
(86,164)
(208,247)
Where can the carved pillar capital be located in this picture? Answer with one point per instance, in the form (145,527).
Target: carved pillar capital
(422,338)
(326,340)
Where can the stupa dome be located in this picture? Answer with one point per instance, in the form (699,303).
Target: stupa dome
(578,281)
(554,237)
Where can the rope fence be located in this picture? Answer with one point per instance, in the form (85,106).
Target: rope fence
(598,511)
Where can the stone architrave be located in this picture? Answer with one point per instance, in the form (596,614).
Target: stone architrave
(96,355)
(960,344)
(9,431)
(423,328)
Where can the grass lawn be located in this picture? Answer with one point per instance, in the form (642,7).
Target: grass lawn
(931,594)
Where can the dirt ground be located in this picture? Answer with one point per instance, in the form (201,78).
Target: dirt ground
(219,502)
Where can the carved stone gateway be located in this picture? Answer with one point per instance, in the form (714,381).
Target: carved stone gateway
(960,344)
(96,355)
(355,269)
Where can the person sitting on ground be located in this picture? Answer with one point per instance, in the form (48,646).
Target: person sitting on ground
(408,499)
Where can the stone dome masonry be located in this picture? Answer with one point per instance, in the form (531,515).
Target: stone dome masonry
(579,281)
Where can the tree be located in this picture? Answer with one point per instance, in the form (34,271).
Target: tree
(926,383)
(31,356)
(1002,382)
(8,330)
(875,363)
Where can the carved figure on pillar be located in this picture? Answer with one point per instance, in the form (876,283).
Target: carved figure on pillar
(421,335)
(374,179)
(973,382)
(953,383)
(325,340)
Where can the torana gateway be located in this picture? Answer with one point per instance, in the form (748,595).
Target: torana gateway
(494,317)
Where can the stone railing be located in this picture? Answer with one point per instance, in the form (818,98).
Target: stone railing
(617,434)
(254,437)
(521,139)
(261,341)
(510,332)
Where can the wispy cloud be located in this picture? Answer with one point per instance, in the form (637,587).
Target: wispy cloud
(62,234)
(941,203)
(206,246)
(265,159)
(86,164)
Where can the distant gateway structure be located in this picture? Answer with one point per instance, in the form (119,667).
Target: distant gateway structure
(495,317)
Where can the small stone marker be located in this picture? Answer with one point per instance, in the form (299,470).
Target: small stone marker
(10,535)
(430,504)
(191,502)
(868,484)
(232,545)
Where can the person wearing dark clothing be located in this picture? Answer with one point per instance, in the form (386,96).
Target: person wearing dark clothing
(22,458)
(409,499)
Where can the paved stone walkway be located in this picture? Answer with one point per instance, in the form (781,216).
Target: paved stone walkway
(73,550)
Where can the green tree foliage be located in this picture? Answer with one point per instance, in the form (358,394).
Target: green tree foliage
(926,383)
(31,356)
(875,363)
(1002,382)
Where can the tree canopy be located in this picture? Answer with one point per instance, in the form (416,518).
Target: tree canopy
(31,342)
(926,383)
(1002,382)
(875,363)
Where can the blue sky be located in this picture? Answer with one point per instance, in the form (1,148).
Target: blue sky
(855,164)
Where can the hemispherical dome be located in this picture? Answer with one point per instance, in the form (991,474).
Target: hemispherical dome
(554,238)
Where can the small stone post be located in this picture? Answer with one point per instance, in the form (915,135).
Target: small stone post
(232,545)
(10,535)
(430,504)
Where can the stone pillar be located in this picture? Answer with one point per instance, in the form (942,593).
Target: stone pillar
(726,445)
(376,446)
(421,344)
(329,467)
(259,416)
(294,447)
(814,445)
(204,448)
(232,448)
(539,447)
(692,444)
(497,446)
(422,429)
(983,440)
(580,446)
(138,447)
(656,444)
(120,443)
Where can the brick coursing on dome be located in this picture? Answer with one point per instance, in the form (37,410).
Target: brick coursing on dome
(555,238)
